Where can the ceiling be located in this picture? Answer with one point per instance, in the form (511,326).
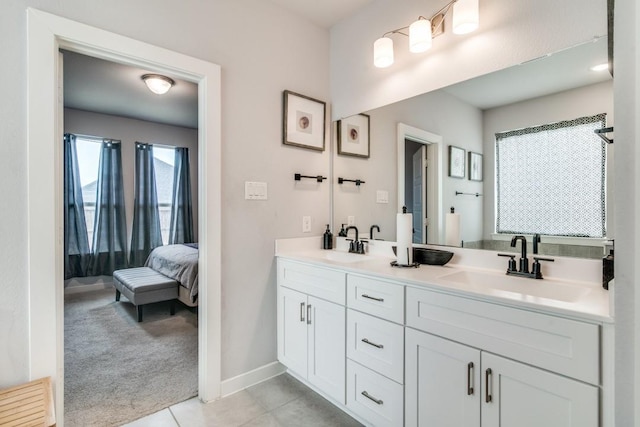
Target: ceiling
(100,86)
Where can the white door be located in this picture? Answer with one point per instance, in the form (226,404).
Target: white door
(517,395)
(442,382)
(327,347)
(419,199)
(292,330)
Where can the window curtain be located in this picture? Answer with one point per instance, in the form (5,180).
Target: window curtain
(76,241)
(181,230)
(110,230)
(145,233)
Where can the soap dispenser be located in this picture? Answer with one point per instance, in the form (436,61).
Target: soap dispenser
(607,269)
(342,232)
(327,240)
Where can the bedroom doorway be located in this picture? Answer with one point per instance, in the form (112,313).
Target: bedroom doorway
(46,35)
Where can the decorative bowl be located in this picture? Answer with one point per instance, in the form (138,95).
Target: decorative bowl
(429,256)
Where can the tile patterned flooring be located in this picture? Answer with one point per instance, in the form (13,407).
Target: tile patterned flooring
(282,401)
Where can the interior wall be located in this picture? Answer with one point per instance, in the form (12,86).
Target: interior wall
(276,50)
(510,33)
(459,124)
(585,101)
(130,131)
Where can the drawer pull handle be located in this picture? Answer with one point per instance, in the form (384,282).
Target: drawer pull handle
(469,375)
(368,396)
(373,298)
(302,312)
(487,376)
(366,341)
(309,314)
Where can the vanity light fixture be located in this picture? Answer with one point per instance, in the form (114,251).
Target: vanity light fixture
(423,30)
(157,83)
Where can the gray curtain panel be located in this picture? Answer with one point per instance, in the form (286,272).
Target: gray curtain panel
(110,228)
(77,254)
(145,233)
(181,230)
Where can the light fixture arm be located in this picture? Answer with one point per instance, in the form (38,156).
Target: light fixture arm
(437,24)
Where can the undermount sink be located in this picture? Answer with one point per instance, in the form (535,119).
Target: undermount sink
(518,287)
(344,256)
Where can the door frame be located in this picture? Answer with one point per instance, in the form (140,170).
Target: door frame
(46,35)
(435,167)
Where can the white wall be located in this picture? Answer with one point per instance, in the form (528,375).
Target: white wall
(274,51)
(586,101)
(130,131)
(458,123)
(510,32)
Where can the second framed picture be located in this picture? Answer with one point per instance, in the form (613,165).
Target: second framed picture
(353,136)
(456,162)
(475,166)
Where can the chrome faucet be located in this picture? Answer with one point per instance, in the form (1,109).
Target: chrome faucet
(524,261)
(356,246)
(371,231)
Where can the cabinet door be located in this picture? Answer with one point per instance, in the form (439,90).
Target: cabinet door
(327,355)
(522,396)
(442,382)
(292,330)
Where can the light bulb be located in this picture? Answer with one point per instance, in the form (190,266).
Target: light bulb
(383,52)
(465,16)
(420,36)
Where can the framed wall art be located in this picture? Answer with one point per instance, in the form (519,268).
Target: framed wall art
(353,136)
(303,121)
(456,162)
(475,166)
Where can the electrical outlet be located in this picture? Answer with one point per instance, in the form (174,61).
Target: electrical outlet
(306,224)
(351,220)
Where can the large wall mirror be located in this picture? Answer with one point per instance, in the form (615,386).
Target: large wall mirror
(410,143)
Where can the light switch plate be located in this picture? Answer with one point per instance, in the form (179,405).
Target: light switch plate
(351,220)
(382,196)
(255,190)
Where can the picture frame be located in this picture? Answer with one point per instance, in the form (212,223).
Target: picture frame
(353,136)
(456,162)
(475,166)
(303,121)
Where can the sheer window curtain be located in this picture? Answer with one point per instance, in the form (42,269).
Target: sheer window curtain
(181,230)
(76,241)
(110,229)
(145,233)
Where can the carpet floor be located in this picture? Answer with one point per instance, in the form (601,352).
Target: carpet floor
(118,370)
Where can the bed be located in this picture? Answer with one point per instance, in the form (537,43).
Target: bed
(179,262)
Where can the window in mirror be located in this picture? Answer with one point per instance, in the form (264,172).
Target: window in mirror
(550,179)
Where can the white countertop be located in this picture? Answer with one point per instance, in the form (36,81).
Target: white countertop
(575,299)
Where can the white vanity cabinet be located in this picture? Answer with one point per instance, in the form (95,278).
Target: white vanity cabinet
(311,325)
(452,384)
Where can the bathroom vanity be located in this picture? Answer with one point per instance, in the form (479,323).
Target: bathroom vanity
(444,345)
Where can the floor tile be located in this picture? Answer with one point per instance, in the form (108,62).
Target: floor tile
(232,411)
(277,391)
(312,410)
(159,419)
(266,420)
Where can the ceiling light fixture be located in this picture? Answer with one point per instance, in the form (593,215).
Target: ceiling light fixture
(421,32)
(157,83)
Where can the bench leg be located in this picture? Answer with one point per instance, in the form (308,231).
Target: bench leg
(172,307)
(117,295)
(139,309)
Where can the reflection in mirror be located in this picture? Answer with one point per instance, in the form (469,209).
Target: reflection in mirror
(467,115)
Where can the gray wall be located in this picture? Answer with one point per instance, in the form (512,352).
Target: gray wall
(263,49)
(129,132)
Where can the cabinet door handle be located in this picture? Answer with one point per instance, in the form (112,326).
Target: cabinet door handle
(469,376)
(302,312)
(368,396)
(309,314)
(487,377)
(373,298)
(366,341)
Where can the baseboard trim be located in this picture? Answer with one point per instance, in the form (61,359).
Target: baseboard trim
(258,375)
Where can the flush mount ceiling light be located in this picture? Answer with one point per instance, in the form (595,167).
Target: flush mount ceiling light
(600,67)
(157,83)
(422,31)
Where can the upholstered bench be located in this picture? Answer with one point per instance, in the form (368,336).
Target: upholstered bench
(142,285)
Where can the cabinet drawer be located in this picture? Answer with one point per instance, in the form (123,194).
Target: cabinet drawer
(316,281)
(561,345)
(376,297)
(375,398)
(376,343)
